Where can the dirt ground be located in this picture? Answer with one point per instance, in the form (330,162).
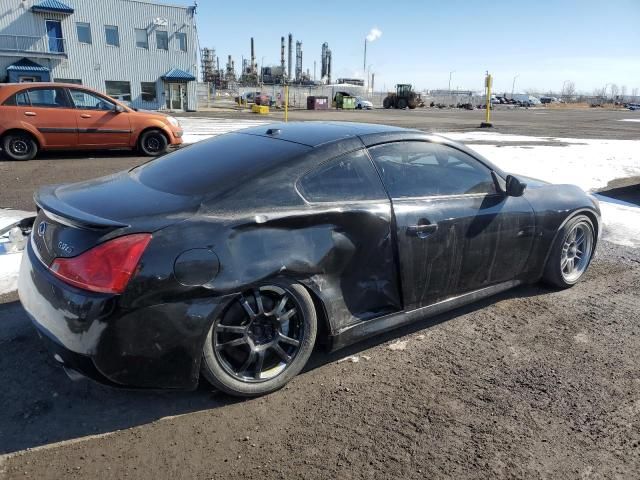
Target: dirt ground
(533,383)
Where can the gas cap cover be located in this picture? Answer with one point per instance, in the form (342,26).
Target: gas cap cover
(196,267)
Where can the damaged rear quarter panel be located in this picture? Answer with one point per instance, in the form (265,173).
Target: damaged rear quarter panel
(343,253)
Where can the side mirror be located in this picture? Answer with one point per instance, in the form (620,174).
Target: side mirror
(118,109)
(515,188)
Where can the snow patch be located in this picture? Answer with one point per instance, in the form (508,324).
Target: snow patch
(9,262)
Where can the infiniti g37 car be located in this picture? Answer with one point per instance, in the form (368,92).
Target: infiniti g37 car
(232,258)
(56,116)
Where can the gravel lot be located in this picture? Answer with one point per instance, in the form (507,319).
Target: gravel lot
(533,383)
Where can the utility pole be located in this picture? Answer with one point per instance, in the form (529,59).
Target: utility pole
(513,85)
(450,74)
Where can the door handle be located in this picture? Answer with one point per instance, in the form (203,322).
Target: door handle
(422,231)
(30,114)
(85,115)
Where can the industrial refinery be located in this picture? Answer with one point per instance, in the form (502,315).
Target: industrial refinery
(251,74)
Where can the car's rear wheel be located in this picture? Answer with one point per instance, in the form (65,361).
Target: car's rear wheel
(262,339)
(153,143)
(19,146)
(571,253)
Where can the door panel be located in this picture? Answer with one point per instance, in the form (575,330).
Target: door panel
(455,232)
(49,111)
(98,124)
(480,240)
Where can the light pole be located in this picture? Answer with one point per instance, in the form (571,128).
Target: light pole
(450,74)
(513,85)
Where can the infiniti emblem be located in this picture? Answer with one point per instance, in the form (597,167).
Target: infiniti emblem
(42,228)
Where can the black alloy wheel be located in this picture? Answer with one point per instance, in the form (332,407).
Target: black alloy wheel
(261,340)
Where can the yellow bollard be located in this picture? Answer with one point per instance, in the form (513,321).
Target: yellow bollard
(488,84)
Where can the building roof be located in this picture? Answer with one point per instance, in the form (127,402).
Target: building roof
(178,75)
(52,6)
(26,65)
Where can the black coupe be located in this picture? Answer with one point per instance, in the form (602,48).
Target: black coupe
(233,257)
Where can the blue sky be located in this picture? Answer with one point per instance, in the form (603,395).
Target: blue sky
(544,42)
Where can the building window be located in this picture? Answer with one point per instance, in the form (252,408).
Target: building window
(112,35)
(75,81)
(182,41)
(142,39)
(148,91)
(84,32)
(119,90)
(162,40)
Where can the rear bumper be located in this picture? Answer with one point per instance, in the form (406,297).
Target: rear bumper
(158,346)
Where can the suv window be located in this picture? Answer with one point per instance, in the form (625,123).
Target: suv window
(419,169)
(348,177)
(45,98)
(88,101)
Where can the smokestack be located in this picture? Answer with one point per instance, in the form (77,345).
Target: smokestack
(289,77)
(298,61)
(282,54)
(253,58)
(328,66)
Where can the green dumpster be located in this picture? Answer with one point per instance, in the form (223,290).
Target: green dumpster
(349,103)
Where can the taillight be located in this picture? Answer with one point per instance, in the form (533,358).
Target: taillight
(105,268)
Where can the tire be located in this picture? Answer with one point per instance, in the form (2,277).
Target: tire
(402,103)
(19,146)
(386,103)
(571,253)
(153,143)
(244,354)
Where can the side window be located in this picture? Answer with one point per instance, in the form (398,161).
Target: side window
(20,99)
(350,177)
(421,169)
(48,98)
(88,101)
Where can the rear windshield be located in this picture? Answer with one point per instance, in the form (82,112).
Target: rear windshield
(217,164)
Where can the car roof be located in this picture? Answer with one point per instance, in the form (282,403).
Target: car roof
(314,134)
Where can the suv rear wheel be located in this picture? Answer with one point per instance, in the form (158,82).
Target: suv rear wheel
(19,146)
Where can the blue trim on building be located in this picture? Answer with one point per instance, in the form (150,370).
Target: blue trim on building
(177,75)
(52,6)
(27,68)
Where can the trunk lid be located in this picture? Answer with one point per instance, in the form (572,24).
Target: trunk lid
(74,218)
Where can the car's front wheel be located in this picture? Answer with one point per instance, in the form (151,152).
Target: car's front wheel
(19,146)
(262,339)
(153,143)
(571,253)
